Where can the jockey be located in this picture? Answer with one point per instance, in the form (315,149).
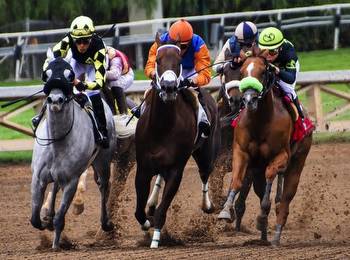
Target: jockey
(119,77)
(195,58)
(244,38)
(89,65)
(282,56)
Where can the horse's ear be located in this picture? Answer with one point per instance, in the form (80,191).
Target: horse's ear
(157,40)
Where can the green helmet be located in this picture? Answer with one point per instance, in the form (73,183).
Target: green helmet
(270,38)
(82,27)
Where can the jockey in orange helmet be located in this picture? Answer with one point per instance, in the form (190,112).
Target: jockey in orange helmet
(194,52)
(195,58)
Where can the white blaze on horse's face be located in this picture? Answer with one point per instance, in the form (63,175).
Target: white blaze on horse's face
(56,100)
(250,69)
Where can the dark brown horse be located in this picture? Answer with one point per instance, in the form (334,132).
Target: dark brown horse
(262,144)
(166,138)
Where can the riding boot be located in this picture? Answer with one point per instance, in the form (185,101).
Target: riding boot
(36,119)
(299,107)
(99,112)
(119,96)
(203,122)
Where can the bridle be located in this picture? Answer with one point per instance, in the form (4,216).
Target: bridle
(63,136)
(168,74)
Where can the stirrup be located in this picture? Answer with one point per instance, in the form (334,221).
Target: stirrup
(103,141)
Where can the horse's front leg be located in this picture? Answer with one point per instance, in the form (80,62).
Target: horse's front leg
(240,202)
(153,198)
(277,165)
(240,159)
(58,221)
(38,188)
(78,201)
(172,183)
(48,210)
(142,184)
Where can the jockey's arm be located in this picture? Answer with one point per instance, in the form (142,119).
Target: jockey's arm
(288,72)
(151,62)
(59,50)
(115,69)
(221,56)
(201,61)
(100,71)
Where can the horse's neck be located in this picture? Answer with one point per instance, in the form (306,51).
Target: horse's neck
(264,113)
(60,123)
(163,114)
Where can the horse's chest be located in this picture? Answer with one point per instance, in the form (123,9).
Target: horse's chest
(261,149)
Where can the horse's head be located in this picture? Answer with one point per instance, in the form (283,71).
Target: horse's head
(230,83)
(168,70)
(58,87)
(256,80)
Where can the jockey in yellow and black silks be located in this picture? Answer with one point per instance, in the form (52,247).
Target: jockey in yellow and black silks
(89,64)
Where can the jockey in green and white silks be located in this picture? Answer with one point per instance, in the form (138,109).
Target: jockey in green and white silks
(282,55)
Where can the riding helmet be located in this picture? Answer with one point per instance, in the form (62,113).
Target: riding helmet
(270,38)
(82,27)
(181,30)
(246,32)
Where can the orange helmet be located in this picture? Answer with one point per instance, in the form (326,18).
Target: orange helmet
(181,30)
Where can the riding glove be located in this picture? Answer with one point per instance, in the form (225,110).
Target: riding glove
(220,69)
(187,83)
(81,86)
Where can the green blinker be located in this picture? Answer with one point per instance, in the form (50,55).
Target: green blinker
(250,83)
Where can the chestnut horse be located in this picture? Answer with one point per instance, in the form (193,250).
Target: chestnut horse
(229,105)
(262,144)
(166,138)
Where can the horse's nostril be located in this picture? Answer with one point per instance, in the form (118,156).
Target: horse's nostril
(49,100)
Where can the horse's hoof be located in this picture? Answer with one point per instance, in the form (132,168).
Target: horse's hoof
(146,226)
(225,214)
(107,227)
(37,224)
(78,209)
(261,223)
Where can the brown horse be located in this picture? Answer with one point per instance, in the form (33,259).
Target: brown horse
(262,144)
(229,106)
(166,138)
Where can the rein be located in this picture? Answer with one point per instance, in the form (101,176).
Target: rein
(62,137)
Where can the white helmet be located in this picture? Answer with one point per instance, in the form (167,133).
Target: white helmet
(246,32)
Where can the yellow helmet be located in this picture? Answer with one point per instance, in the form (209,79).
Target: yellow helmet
(82,27)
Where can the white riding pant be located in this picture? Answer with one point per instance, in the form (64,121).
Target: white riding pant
(124,81)
(289,89)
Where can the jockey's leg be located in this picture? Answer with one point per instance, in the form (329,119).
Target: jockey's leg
(99,111)
(119,96)
(203,122)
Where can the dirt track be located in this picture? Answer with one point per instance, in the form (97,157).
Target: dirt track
(318,226)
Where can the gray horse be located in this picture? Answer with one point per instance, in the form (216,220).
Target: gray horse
(64,148)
